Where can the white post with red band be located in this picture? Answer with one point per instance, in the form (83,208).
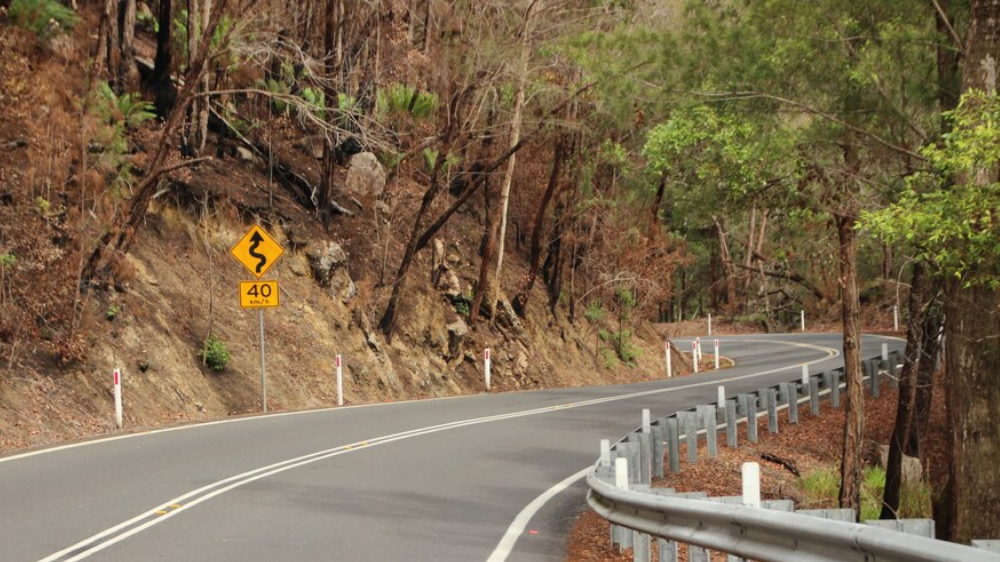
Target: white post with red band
(118,398)
(486,368)
(698,341)
(694,355)
(340,382)
(670,368)
(710,324)
(716,353)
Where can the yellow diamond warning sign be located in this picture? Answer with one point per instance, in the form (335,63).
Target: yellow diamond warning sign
(258,294)
(257,251)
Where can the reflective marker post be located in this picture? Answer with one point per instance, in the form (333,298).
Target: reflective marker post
(716,354)
(486,365)
(694,355)
(118,398)
(670,368)
(340,382)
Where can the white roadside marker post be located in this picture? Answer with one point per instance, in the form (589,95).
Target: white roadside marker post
(802,319)
(694,355)
(340,382)
(716,354)
(805,378)
(722,397)
(698,341)
(751,484)
(895,318)
(670,368)
(486,370)
(605,452)
(710,324)
(118,398)
(885,352)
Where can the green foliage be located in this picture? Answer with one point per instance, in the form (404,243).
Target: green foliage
(595,312)
(316,98)
(128,110)
(44,18)
(149,21)
(396,99)
(948,214)
(608,358)
(214,353)
(7,260)
(622,345)
(181,33)
(111,313)
(462,307)
(822,488)
(42,205)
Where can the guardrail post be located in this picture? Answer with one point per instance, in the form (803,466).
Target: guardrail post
(731,424)
(814,396)
(668,550)
(642,547)
(697,554)
(657,433)
(772,410)
(645,458)
(835,389)
(872,372)
(690,422)
(741,404)
(634,451)
(792,399)
(752,418)
(711,431)
(673,445)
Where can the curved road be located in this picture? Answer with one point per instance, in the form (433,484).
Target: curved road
(430,480)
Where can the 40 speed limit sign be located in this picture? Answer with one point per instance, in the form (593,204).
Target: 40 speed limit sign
(258,294)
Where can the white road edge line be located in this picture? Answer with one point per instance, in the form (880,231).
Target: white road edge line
(256,474)
(506,544)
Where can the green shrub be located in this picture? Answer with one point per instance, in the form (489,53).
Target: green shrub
(396,98)
(214,353)
(822,488)
(7,260)
(111,313)
(44,18)
(595,312)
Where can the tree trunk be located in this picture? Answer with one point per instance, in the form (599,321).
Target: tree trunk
(128,73)
(521,300)
(164,92)
(854,411)
(907,392)
(515,137)
(973,322)
(488,250)
(930,349)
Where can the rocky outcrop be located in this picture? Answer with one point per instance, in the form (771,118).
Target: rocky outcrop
(365,175)
(328,262)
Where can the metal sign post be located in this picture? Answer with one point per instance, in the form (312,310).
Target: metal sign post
(263,366)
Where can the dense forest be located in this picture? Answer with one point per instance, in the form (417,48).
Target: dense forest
(633,162)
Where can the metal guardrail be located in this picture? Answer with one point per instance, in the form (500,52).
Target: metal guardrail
(743,532)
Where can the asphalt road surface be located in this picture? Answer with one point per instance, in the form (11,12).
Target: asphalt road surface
(422,481)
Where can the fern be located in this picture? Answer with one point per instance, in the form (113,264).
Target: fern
(44,18)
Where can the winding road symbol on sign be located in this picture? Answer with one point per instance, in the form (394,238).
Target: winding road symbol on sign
(257,251)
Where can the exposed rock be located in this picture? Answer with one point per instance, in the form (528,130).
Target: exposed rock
(437,262)
(245,154)
(311,145)
(522,361)
(449,285)
(327,262)
(454,259)
(457,331)
(911,469)
(507,318)
(365,175)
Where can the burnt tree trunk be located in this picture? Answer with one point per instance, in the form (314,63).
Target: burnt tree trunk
(521,300)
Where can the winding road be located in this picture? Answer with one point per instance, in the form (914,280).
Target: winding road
(486,477)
